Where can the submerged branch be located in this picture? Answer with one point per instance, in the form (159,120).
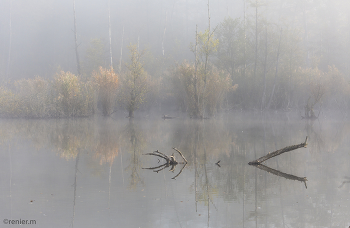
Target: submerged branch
(278,152)
(170,161)
(183,157)
(157,155)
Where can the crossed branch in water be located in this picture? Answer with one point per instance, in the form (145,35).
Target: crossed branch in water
(257,162)
(169,161)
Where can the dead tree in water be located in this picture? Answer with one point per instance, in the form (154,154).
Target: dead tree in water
(170,161)
(278,152)
(257,163)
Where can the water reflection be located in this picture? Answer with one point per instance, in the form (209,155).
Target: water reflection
(83,163)
(133,141)
(281,174)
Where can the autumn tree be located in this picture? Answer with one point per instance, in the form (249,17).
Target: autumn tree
(134,82)
(33,97)
(107,82)
(71,97)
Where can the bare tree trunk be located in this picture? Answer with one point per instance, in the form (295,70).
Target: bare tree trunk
(10,45)
(256,38)
(306,37)
(206,64)
(244,44)
(186,21)
(121,53)
(265,63)
(110,32)
(166,19)
(254,82)
(76,40)
(207,54)
(196,97)
(276,72)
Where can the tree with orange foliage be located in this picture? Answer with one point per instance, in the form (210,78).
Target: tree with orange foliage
(107,83)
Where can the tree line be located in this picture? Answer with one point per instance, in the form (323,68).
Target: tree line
(234,66)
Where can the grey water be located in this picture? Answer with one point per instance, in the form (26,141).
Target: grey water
(93,172)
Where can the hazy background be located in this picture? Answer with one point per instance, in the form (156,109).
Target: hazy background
(43,38)
(37,38)
(42,35)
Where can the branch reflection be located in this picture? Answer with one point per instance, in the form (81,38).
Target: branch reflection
(281,174)
(166,165)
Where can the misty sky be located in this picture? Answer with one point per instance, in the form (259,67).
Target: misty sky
(38,34)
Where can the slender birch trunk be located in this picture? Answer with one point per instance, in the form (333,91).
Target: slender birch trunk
(121,53)
(166,18)
(265,68)
(110,32)
(276,72)
(256,38)
(10,45)
(206,64)
(196,97)
(244,43)
(76,40)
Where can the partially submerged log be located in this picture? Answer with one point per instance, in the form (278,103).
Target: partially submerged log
(169,161)
(281,174)
(278,152)
(168,117)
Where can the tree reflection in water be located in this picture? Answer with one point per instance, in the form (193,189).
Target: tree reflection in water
(250,194)
(133,141)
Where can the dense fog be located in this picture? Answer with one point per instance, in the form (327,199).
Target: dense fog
(42,36)
(276,54)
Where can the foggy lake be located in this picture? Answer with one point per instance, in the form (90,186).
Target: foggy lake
(154,113)
(90,172)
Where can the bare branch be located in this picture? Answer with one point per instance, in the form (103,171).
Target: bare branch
(180,171)
(183,157)
(166,158)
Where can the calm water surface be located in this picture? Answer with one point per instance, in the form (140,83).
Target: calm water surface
(90,172)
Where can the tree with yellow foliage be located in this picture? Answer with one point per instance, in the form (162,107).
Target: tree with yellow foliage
(134,82)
